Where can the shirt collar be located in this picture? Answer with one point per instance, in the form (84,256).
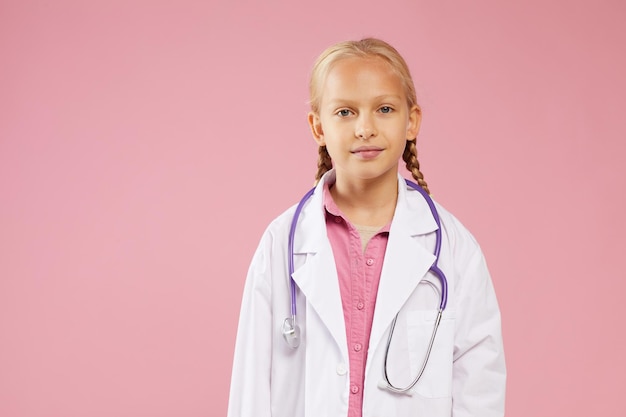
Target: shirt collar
(332,210)
(329,202)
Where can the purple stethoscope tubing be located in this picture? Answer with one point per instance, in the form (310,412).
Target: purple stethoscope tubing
(292,234)
(434,267)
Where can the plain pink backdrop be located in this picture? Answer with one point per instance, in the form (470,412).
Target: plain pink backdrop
(141,141)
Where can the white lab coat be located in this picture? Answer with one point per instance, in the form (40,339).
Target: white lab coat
(465,375)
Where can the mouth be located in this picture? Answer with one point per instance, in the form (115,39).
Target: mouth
(367,152)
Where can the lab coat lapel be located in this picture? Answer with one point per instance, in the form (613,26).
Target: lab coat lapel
(406,259)
(317,277)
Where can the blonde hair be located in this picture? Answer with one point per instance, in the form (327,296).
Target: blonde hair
(365,48)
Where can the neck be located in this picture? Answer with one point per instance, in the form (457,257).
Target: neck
(369,202)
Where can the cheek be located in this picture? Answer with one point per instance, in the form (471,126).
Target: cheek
(333,148)
(337,131)
(400,131)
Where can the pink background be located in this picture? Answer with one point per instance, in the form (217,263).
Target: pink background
(145,145)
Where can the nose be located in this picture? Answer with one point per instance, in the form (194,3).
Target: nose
(365,127)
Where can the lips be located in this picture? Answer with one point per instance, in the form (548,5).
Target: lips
(367,152)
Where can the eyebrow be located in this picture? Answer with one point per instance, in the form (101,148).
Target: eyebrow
(377,98)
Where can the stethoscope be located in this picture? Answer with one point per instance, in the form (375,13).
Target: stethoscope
(291,330)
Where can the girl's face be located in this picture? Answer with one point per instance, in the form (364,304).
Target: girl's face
(364,119)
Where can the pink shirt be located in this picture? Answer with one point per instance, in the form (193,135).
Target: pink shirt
(359,275)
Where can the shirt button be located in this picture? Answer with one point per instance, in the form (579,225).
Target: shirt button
(360,305)
(354,389)
(369,262)
(337,219)
(358,347)
(342,369)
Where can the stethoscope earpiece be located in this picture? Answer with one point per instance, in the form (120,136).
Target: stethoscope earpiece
(291,332)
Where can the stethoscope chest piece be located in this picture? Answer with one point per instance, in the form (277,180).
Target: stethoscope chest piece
(291,332)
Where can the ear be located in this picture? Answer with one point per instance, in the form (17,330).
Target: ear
(316,128)
(415,121)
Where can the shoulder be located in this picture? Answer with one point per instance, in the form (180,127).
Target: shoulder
(454,233)
(453,228)
(272,247)
(460,240)
(278,228)
(461,252)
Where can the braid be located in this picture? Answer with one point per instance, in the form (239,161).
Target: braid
(324,163)
(413,165)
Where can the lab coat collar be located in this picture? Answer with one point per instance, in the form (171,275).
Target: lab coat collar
(406,263)
(317,278)
(412,216)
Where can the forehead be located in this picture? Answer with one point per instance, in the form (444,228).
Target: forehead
(357,77)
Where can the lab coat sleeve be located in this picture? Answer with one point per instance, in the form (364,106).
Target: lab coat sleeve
(250,382)
(479,369)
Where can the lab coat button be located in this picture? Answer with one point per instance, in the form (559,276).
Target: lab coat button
(369,262)
(342,369)
(354,389)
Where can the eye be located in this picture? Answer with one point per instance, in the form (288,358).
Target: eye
(385,109)
(344,113)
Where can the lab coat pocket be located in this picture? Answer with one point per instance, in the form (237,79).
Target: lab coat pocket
(436,381)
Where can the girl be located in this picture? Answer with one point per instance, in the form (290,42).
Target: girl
(364,337)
